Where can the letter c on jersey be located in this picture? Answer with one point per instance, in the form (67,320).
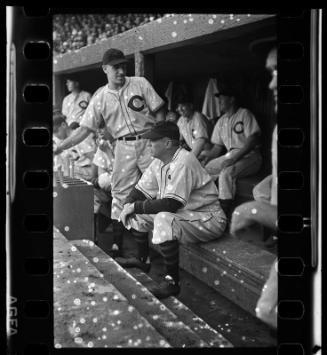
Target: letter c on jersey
(136,103)
(238,127)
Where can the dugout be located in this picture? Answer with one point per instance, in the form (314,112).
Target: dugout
(187,50)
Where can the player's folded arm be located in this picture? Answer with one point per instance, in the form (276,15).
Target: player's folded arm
(135,195)
(155,206)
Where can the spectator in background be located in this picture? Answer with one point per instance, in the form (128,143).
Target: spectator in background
(81,30)
(76,102)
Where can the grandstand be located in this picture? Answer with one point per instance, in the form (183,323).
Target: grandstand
(74,32)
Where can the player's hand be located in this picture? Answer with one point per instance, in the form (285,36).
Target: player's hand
(242,217)
(203,157)
(228,162)
(204,154)
(127,210)
(102,144)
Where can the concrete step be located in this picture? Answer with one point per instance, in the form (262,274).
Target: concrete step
(185,314)
(89,311)
(171,319)
(234,268)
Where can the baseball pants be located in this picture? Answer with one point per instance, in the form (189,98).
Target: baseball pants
(131,160)
(185,226)
(248,165)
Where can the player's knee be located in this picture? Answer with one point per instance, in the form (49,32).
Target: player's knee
(268,316)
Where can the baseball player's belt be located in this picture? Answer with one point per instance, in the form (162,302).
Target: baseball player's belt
(130,138)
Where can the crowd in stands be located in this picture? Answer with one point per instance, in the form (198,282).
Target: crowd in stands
(74,32)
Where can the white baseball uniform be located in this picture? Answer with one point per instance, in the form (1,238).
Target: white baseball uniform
(103,158)
(232,132)
(127,113)
(185,180)
(192,128)
(74,106)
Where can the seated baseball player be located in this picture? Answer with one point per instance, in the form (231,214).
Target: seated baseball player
(236,133)
(76,102)
(192,127)
(82,154)
(177,200)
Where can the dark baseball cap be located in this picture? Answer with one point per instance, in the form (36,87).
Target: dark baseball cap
(72,77)
(113,56)
(162,129)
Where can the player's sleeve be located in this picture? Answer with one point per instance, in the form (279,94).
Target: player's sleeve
(200,130)
(152,99)
(250,124)
(216,136)
(92,116)
(148,183)
(180,184)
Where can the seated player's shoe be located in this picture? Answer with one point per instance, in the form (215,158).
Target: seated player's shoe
(115,251)
(134,262)
(166,288)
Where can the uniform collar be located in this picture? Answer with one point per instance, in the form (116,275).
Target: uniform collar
(127,81)
(174,157)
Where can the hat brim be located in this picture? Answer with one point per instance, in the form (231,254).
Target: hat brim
(152,135)
(116,61)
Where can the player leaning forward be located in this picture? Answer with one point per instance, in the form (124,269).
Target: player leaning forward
(177,200)
(129,107)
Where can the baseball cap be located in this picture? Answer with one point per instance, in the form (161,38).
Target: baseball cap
(71,77)
(162,129)
(113,56)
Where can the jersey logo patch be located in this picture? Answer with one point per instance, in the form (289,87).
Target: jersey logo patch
(136,103)
(238,127)
(83,104)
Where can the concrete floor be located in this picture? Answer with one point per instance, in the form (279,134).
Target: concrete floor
(236,325)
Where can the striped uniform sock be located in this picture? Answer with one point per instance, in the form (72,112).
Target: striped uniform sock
(170,252)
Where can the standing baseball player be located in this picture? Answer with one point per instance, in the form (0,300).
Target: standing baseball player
(76,102)
(177,200)
(129,107)
(237,132)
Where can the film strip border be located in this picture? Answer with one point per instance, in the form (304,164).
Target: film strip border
(29,170)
